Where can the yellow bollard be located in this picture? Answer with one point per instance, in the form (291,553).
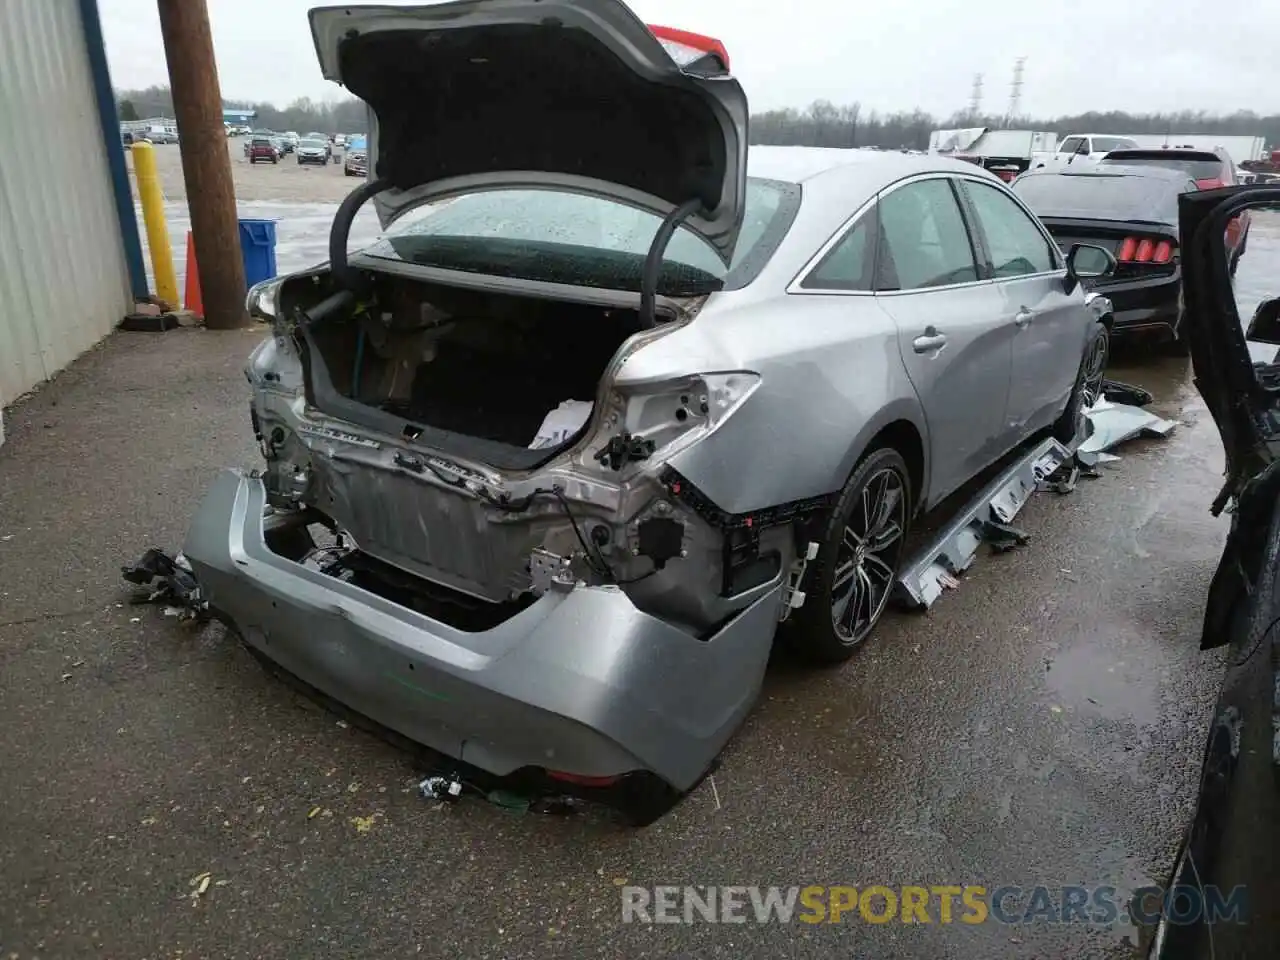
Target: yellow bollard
(152,198)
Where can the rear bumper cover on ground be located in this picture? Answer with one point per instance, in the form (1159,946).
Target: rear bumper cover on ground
(581,681)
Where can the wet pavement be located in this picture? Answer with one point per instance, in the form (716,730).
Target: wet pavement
(1043,724)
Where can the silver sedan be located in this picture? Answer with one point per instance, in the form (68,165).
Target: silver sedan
(547,464)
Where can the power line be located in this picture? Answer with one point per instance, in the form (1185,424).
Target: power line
(975,98)
(1015,90)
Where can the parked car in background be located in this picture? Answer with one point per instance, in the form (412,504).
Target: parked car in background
(356,157)
(159,134)
(263,148)
(1132,212)
(291,140)
(1086,149)
(256,135)
(1210,169)
(585,570)
(325,139)
(312,151)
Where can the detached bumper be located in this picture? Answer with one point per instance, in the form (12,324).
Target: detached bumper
(581,682)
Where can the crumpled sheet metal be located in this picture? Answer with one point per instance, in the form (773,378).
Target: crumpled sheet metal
(1111,424)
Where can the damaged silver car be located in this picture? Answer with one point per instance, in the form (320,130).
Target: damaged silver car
(548,463)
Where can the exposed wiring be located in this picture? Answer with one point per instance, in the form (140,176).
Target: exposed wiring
(593,556)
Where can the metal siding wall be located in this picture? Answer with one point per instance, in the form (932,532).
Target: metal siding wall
(63,276)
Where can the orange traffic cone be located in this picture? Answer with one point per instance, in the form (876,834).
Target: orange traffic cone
(192,295)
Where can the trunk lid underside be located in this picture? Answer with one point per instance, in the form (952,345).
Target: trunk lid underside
(574,95)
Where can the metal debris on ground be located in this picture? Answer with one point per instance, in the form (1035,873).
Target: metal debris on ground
(1003,537)
(986,517)
(1111,424)
(168,580)
(441,788)
(1063,480)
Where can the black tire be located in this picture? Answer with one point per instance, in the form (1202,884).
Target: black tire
(876,499)
(1088,385)
(275,159)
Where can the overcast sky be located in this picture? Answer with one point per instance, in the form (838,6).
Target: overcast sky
(1136,55)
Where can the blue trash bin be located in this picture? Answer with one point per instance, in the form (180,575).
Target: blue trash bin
(258,248)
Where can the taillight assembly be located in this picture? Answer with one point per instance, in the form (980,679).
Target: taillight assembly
(692,51)
(1145,250)
(1210,183)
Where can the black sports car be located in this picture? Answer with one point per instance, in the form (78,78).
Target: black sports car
(1132,212)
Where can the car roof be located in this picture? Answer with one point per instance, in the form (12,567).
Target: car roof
(802,164)
(835,183)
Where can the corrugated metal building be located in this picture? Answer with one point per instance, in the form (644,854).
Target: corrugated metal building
(67,262)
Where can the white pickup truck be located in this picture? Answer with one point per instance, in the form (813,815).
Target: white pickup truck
(1084,150)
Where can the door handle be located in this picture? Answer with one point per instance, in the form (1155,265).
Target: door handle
(1023,318)
(929,342)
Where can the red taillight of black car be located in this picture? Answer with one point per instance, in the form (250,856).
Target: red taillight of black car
(1146,250)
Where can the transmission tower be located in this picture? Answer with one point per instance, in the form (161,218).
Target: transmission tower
(1015,90)
(975,98)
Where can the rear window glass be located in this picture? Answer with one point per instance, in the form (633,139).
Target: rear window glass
(1197,168)
(1103,144)
(557,237)
(1102,196)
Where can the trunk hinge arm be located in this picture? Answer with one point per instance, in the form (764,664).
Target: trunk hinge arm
(653,262)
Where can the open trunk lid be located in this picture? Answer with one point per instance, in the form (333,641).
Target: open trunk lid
(573,95)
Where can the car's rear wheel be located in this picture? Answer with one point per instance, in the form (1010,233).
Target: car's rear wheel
(1088,385)
(849,584)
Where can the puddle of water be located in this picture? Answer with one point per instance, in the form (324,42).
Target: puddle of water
(1103,673)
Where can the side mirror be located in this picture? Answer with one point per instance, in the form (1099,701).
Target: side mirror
(1085,261)
(1265,325)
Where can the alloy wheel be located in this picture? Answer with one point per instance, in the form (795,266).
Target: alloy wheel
(867,559)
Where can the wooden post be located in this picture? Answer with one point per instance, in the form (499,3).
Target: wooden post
(206,163)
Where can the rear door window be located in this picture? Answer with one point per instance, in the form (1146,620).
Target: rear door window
(923,238)
(1015,244)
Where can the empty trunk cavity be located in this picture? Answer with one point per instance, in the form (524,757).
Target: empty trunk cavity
(432,362)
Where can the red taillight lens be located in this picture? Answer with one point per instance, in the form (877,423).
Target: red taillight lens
(1211,183)
(1145,250)
(687,48)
